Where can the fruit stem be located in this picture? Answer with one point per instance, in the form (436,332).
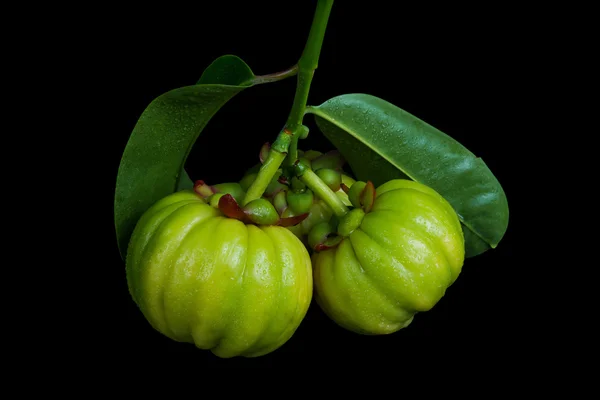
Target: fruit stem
(265,175)
(321,190)
(306,68)
(292,155)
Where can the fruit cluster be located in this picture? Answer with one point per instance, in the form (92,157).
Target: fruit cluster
(237,278)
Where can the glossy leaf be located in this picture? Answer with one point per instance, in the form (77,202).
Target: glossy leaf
(227,70)
(185,182)
(152,164)
(381,142)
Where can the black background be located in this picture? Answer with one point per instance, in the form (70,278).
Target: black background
(450,66)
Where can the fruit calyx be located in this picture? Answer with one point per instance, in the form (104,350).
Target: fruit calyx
(350,222)
(210,192)
(362,195)
(258,212)
(323,237)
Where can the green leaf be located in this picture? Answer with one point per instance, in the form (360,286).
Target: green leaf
(381,142)
(185,182)
(152,164)
(227,70)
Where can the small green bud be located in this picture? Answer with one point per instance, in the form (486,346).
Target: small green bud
(303,132)
(300,202)
(214,199)
(312,154)
(261,212)
(350,222)
(318,234)
(332,159)
(280,202)
(332,178)
(232,188)
(354,193)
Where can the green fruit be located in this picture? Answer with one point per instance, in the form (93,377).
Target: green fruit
(202,278)
(395,261)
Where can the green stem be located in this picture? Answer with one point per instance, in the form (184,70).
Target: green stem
(301,133)
(276,76)
(306,67)
(321,190)
(293,151)
(309,61)
(265,175)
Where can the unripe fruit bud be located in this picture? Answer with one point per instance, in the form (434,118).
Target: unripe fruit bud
(303,132)
(332,159)
(232,188)
(261,212)
(332,178)
(362,195)
(350,222)
(280,202)
(214,199)
(318,234)
(312,154)
(354,193)
(300,202)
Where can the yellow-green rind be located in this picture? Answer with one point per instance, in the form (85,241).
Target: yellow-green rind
(405,254)
(227,287)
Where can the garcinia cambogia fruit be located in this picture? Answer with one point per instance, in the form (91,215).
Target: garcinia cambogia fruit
(234,288)
(394,260)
